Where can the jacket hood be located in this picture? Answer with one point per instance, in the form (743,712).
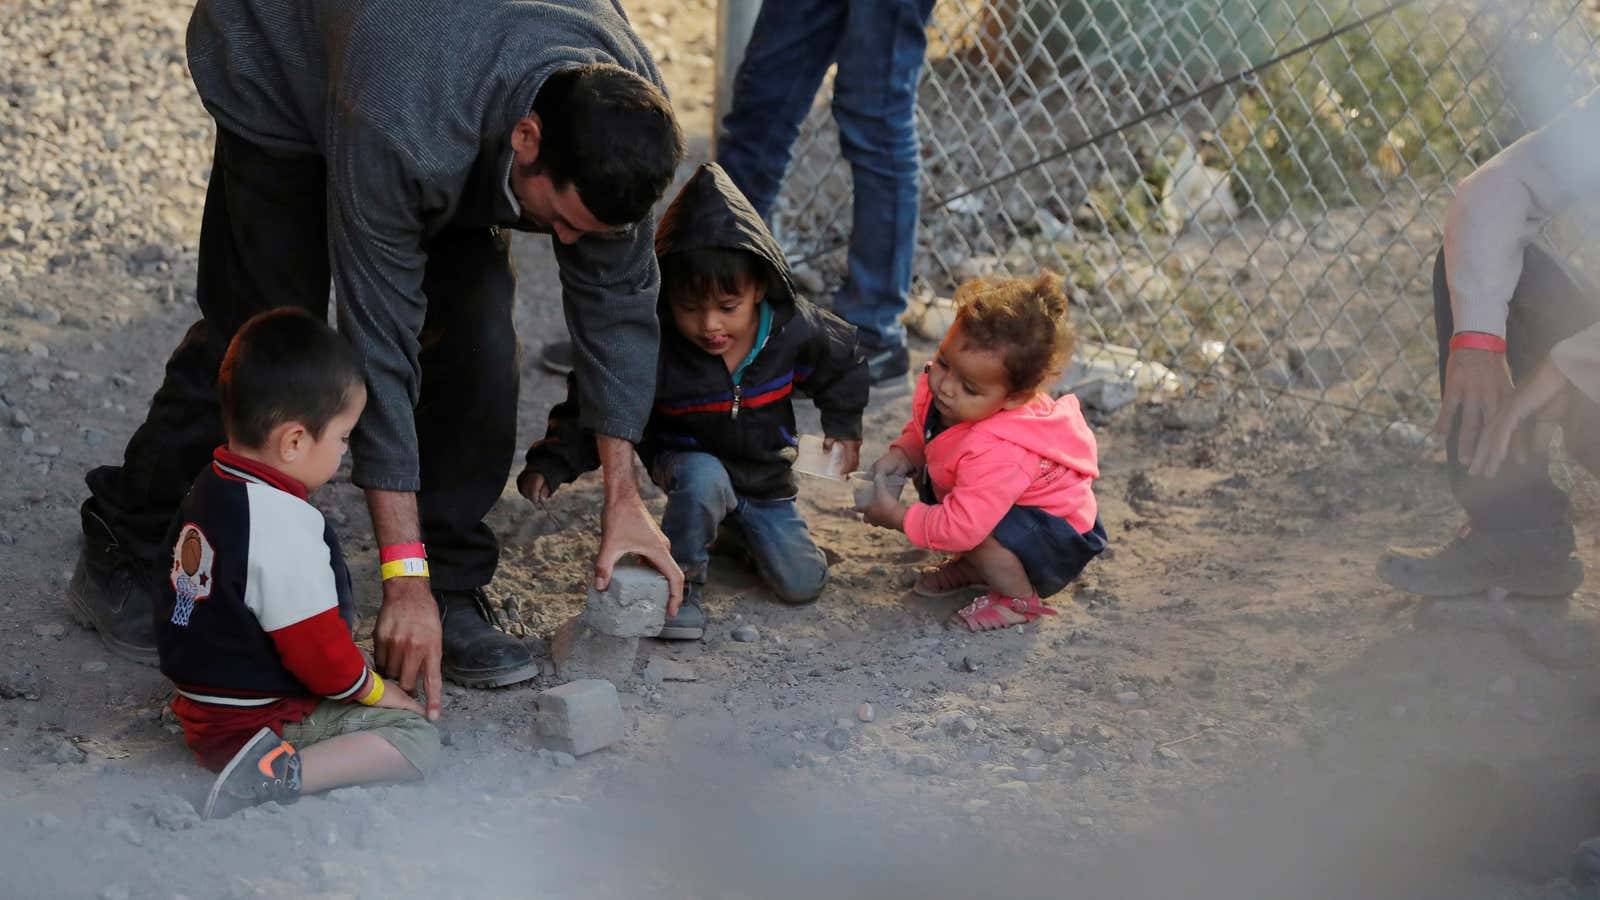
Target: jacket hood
(710,212)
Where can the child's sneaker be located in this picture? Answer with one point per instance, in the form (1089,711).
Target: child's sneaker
(265,768)
(690,622)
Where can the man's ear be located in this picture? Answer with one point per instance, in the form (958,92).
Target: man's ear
(525,138)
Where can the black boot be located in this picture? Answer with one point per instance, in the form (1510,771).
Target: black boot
(113,593)
(690,622)
(1534,562)
(476,654)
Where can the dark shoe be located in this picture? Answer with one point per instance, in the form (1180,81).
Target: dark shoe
(690,622)
(1532,562)
(113,593)
(476,654)
(265,768)
(887,363)
(556,357)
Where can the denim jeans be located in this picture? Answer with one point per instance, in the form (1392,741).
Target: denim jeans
(879,46)
(700,497)
(1550,303)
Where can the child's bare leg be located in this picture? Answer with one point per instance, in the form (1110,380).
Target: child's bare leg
(1003,572)
(361,757)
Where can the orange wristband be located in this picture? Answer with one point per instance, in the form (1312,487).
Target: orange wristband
(1477,340)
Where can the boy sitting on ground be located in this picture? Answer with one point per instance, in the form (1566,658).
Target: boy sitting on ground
(735,342)
(254,619)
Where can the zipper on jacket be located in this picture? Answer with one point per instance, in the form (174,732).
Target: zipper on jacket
(736,392)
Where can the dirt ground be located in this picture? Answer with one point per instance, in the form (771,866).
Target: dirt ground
(1229,705)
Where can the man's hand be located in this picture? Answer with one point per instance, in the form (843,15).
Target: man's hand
(627,527)
(406,642)
(408,636)
(532,485)
(1543,399)
(394,698)
(894,462)
(849,454)
(1477,385)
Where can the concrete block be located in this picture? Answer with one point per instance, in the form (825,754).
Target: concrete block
(581,651)
(633,605)
(1107,394)
(580,717)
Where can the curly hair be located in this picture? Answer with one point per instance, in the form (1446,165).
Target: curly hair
(1022,319)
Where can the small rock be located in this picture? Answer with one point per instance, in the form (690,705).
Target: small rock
(93,666)
(1129,698)
(20,419)
(1405,436)
(866,713)
(27,436)
(968,664)
(634,603)
(50,630)
(1033,755)
(563,760)
(1191,415)
(659,670)
(837,739)
(1107,394)
(1083,822)
(173,813)
(1030,775)
(923,764)
(1051,743)
(49,451)
(38,350)
(746,634)
(1258,698)
(977,752)
(581,716)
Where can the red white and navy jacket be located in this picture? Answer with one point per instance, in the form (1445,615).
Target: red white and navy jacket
(254,616)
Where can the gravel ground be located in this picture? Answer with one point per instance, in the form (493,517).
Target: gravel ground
(1228,706)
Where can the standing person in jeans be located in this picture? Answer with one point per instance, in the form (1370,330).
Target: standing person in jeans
(1519,351)
(382,148)
(879,47)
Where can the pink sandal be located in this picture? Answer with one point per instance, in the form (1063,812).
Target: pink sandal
(946,580)
(983,614)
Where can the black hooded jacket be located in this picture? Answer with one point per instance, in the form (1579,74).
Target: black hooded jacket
(749,426)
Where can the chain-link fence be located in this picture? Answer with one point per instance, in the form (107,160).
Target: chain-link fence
(1273,236)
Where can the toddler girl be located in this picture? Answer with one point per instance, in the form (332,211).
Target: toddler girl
(1006,468)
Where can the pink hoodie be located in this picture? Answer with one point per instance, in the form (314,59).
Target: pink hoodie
(1041,454)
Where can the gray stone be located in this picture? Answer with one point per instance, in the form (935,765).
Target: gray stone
(580,717)
(923,764)
(27,436)
(38,350)
(866,713)
(580,651)
(633,605)
(1129,698)
(20,419)
(1192,415)
(659,670)
(977,752)
(67,753)
(173,813)
(50,630)
(1030,775)
(1405,436)
(1321,364)
(837,739)
(563,760)
(1033,756)
(746,634)
(1107,394)
(93,666)
(1051,743)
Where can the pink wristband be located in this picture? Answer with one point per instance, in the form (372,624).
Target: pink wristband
(1477,340)
(413,550)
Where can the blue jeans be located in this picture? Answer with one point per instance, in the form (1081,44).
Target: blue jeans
(700,497)
(879,46)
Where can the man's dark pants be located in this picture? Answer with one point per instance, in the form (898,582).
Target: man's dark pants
(263,244)
(1550,304)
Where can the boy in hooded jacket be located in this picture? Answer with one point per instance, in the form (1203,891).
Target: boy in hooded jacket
(736,343)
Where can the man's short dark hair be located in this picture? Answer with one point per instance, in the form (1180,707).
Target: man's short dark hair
(284,366)
(694,274)
(610,133)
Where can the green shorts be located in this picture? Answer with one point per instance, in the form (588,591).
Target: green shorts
(413,735)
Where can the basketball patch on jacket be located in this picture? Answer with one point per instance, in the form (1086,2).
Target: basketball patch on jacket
(192,559)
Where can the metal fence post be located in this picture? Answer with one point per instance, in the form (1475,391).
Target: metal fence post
(736,19)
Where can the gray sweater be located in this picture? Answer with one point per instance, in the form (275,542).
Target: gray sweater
(1499,209)
(412,103)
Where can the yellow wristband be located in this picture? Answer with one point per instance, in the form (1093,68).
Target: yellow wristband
(375,694)
(402,568)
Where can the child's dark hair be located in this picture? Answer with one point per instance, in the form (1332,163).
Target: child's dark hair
(707,270)
(1022,319)
(284,366)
